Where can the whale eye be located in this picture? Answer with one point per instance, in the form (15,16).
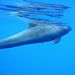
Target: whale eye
(65,29)
(68,28)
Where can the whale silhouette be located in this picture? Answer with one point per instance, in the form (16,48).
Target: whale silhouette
(37,32)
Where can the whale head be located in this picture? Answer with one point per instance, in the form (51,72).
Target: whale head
(64,29)
(57,31)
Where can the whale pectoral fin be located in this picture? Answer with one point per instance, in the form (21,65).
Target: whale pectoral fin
(57,40)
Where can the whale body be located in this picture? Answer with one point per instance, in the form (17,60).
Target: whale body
(36,34)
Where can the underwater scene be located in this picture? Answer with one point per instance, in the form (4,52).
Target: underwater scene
(37,37)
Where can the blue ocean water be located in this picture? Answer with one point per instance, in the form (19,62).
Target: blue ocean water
(38,59)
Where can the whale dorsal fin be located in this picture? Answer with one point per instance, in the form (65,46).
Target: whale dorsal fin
(32,25)
(57,40)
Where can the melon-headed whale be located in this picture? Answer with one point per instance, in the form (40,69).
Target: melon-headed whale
(36,33)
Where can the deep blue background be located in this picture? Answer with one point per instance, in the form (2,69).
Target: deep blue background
(38,59)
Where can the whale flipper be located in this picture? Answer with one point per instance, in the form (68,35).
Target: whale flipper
(57,40)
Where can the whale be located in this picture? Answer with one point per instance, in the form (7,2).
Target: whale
(36,33)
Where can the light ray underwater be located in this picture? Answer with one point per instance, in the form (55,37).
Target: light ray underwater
(39,30)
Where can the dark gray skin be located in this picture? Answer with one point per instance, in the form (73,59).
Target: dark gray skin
(36,34)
